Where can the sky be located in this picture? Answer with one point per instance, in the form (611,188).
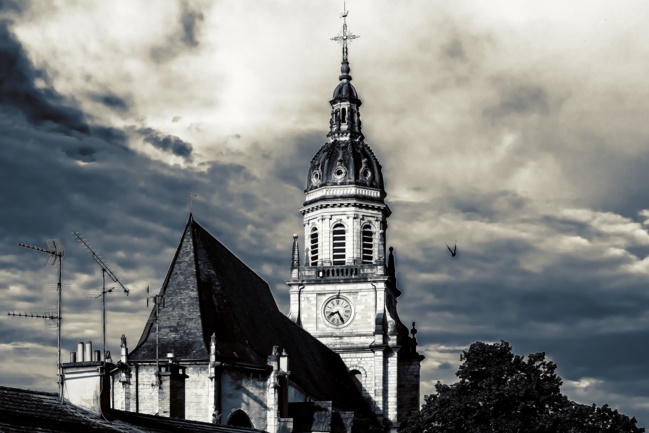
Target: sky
(516,129)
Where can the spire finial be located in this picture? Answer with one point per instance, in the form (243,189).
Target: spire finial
(191,197)
(344,38)
(295,262)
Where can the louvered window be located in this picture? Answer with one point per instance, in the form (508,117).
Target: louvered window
(368,244)
(314,247)
(339,244)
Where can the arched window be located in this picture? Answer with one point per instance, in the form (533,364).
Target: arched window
(343,118)
(338,237)
(239,418)
(357,378)
(368,244)
(314,247)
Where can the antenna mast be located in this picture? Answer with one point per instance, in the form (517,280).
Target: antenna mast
(157,299)
(55,251)
(105,270)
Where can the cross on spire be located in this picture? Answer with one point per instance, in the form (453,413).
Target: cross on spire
(190,196)
(344,38)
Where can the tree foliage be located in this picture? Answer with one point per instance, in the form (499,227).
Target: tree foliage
(500,392)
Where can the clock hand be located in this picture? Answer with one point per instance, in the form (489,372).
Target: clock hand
(341,317)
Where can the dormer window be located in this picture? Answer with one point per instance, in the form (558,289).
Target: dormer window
(338,238)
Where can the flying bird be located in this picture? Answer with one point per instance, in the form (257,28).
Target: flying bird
(452,251)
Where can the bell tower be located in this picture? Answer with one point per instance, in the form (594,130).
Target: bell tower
(345,292)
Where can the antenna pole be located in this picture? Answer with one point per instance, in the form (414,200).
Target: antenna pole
(55,251)
(104,270)
(156,299)
(58,325)
(103,309)
(157,333)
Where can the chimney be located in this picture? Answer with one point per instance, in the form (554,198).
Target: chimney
(171,393)
(87,355)
(80,351)
(123,350)
(86,383)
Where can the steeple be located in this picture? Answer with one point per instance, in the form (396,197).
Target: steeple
(344,292)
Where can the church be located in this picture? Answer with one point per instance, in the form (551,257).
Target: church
(216,349)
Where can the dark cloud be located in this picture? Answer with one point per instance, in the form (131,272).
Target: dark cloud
(111,135)
(290,163)
(459,57)
(454,49)
(13,5)
(515,280)
(55,195)
(112,101)
(190,19)
(519,99)
(42,107)
(611,180)
(168,143)
(184,35)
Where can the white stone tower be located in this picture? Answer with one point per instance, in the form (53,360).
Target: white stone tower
(345,293)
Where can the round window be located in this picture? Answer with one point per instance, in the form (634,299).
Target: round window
(340,172)
(316,177)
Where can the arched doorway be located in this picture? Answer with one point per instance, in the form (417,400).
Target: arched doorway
(239,418)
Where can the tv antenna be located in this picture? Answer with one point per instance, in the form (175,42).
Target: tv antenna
(157,301)
(49,317)
(55,252)
(105,270)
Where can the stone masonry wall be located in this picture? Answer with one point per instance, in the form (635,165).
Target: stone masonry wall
(146,389)
(239,390)
(408,387)
(245,391)
(197,405)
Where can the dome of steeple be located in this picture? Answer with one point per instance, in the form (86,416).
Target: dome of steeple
(348,162)
(345,159)
(345,90)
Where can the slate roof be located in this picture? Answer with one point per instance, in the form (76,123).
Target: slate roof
(158,424)
(209,290)
(30,411)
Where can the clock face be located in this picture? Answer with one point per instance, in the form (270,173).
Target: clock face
(337,311)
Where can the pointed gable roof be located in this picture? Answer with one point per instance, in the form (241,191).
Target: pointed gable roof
(208,290)
(178,307)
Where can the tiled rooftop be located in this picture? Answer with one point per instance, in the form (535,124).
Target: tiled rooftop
(30,411)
